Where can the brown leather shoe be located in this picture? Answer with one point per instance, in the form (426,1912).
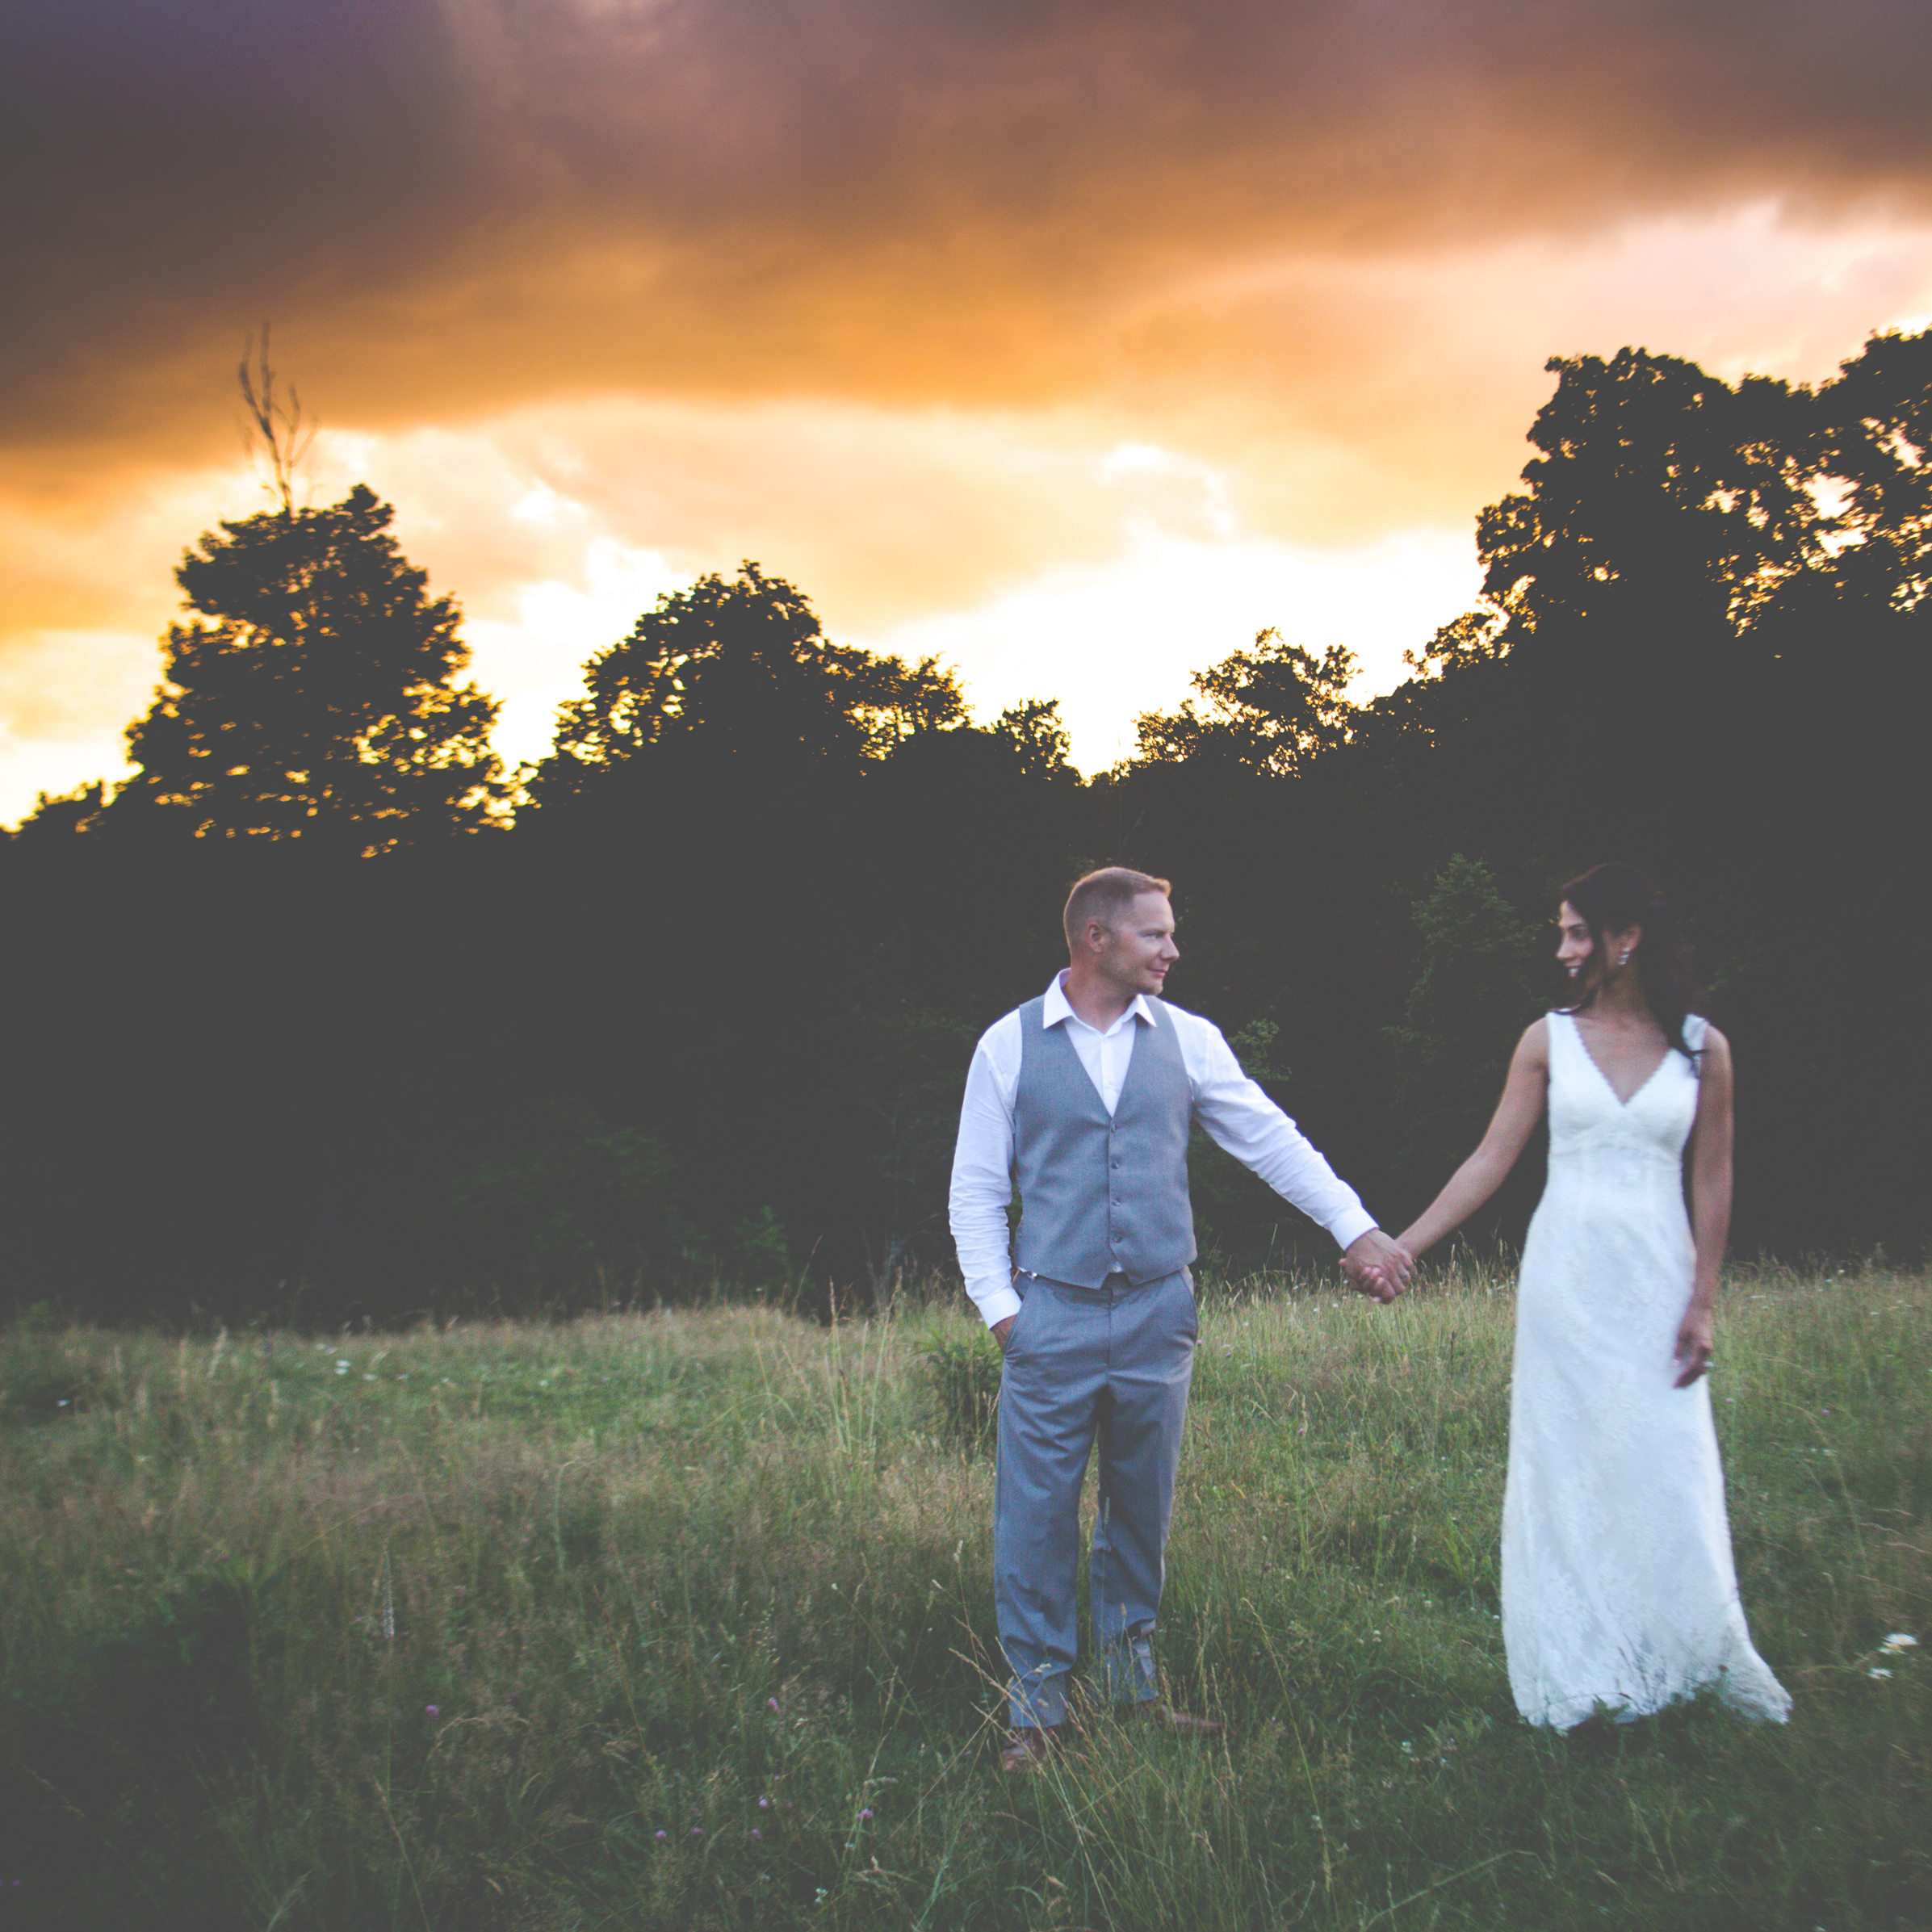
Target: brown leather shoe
(1028,1746)
(1178,1724)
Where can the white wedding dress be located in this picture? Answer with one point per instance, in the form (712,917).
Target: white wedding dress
(1618,1585)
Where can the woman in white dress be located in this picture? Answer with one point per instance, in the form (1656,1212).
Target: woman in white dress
(1618,1591)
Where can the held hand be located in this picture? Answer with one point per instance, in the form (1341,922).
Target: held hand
(1693,1351)
(1377,1267)
(1002,1330)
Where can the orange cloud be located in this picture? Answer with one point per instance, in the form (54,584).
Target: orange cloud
(869,289)
(469,202)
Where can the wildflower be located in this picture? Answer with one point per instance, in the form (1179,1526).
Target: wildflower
(865,1816)
(698,1831)
(757,1834)
(1899,1640)
(1874,1671)
(771,1704)
(765,1804)
(429,1710)
(342,1367)
(662,1835)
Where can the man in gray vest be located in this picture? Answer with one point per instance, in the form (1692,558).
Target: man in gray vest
(1083,1098)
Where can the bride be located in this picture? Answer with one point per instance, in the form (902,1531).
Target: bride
(1619,1590)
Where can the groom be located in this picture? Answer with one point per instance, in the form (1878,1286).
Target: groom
(1082,1100)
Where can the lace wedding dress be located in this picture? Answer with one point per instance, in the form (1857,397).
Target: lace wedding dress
(1618,1584)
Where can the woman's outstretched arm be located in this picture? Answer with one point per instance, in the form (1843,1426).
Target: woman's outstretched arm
(1710,1202)
(1485,1170)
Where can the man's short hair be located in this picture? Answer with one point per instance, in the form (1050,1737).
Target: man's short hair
(1105,896)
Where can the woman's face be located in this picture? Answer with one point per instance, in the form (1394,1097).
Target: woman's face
(1587,963)
(1576,950)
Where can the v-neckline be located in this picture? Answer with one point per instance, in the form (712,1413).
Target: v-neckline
(1636,1092)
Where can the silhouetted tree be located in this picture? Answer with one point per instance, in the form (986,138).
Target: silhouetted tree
(741,673)
(1039,740)
(274,419)
(77,814)
(1876,427)
(316,702)
(706,1007)
(1268,709)
(1662,496)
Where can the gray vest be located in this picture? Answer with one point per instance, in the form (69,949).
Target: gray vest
(1100,1195)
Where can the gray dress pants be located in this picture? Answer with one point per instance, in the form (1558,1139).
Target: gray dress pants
(1114,1361)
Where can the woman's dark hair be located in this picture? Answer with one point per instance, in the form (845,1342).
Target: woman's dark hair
(1613,898)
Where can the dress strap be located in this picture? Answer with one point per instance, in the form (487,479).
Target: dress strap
(1695,1027)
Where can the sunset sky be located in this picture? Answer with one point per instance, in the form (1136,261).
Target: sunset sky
(1073,341)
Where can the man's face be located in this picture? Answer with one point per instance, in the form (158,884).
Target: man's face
(1141,946)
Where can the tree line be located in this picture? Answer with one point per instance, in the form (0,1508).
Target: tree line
(319,1014)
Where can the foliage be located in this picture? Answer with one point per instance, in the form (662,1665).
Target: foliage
(565,1208)
(963,1371)
(317,704)
(1664,497)
(1038,738)
(1470,999)
(445,1629)
(770,889)
(741,674)
(1877,436)
(1268,709)
(894,1081)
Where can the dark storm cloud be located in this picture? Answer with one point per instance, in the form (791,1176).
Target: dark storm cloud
(458,205)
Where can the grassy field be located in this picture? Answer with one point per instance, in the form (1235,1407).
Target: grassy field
(684,1619)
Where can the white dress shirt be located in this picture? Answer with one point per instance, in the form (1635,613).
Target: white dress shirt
(1234,1110)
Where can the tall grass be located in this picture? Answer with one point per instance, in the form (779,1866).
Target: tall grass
(685,1620)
